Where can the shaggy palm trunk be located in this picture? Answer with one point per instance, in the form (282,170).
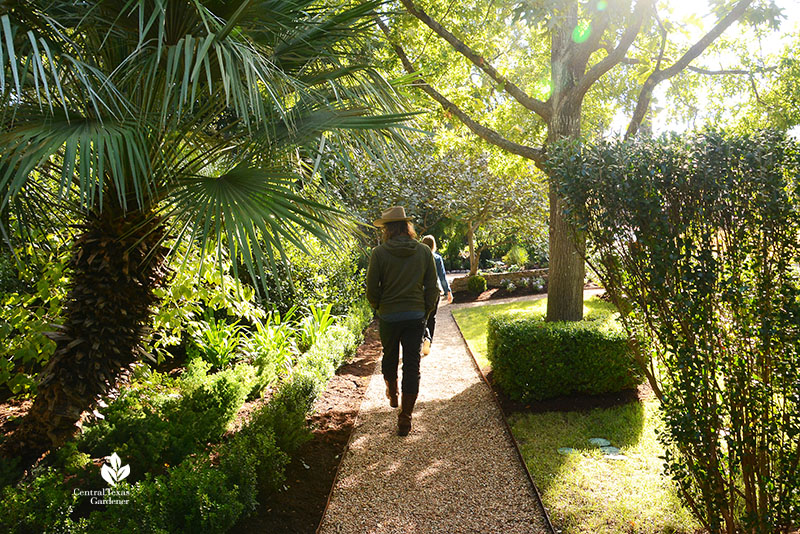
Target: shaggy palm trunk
(567,268)
(116,264)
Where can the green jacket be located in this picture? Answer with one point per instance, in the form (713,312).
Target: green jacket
(402,277)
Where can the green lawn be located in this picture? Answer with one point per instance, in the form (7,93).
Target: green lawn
(585,490)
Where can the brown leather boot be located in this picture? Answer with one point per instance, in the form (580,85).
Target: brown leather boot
(404,417)
(391,392)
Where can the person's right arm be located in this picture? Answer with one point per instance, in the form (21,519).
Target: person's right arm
(374,281)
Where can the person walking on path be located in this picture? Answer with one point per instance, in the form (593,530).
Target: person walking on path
(444,287)
(403,290)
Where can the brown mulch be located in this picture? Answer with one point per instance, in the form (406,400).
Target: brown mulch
(298,508)
(493,293)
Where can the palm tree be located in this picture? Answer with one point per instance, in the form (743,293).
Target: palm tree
(159,121)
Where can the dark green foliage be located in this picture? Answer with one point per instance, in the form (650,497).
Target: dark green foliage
(322,277)
(476,284)
(41,505)
(28,309)
(158,420)
(9,471)
(252,461)
(699,236)
(161,421)
(9,277)
(534,360)
(194,497)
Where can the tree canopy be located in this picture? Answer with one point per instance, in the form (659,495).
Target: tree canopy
(521,75)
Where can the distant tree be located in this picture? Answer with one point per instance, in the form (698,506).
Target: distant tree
(495,206)
(522,75)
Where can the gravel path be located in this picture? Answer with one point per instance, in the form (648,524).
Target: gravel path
(456,473)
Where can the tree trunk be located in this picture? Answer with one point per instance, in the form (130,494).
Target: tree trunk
(116,264)
(473,258)
(567,268)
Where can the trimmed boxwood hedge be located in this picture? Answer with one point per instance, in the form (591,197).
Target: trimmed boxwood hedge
(533,360)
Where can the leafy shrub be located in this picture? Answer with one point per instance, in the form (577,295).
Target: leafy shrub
(319,278)
(313,325)
(193,497)
(534,360)
(698,237)
(41,505)
(517,255)
(196,288)
(272,348)
(358,317)
(26,315)
(476,284)
(216,342)
(160,420)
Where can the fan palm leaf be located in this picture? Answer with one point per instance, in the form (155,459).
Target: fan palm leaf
(171,119)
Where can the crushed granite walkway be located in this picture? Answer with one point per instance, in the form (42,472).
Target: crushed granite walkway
(456,473)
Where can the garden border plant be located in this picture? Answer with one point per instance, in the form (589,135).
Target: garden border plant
(696,237)
(207,489)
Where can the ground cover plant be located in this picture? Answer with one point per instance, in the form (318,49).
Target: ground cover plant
(585,491)
(698,237)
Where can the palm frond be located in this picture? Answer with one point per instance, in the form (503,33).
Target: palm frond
(255,211)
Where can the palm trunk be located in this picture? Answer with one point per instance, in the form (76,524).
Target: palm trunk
(116,264)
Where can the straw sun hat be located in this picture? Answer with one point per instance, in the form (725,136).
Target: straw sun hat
(393,214)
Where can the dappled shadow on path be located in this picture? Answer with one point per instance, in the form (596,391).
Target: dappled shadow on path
(457,471)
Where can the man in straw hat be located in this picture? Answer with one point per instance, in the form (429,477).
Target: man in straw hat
(402,288)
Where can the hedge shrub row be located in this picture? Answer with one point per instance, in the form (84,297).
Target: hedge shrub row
(533,360)
(209,490)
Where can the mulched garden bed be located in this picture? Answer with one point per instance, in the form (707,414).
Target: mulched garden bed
(298,509)
(493,293)
(570,403)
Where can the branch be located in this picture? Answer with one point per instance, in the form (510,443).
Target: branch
(537,106)
(710,72)
(485,133)
(658,76)
(616,55)
(730,72)
(587,48)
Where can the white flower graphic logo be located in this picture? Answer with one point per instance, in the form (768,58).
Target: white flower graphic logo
(115,472)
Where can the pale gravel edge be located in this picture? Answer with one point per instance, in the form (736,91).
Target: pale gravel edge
(521,459)
(542,511)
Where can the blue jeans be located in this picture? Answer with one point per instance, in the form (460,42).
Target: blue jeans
(409,335)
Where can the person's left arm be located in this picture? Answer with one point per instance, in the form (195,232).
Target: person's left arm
(442,275)
(430,284)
